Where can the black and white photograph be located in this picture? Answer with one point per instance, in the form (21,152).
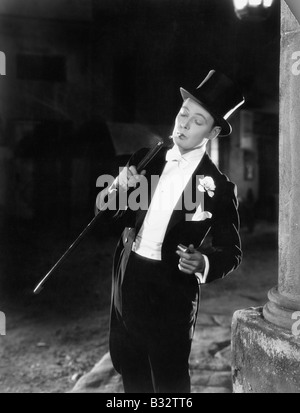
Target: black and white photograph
(149,199)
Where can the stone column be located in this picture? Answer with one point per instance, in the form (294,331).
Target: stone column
(266,342)
(285,299)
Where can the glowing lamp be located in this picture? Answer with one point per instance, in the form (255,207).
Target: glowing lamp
(254,10)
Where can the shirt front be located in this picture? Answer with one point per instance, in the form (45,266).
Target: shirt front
(175,176)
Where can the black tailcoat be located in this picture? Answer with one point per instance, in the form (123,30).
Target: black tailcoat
(216,237)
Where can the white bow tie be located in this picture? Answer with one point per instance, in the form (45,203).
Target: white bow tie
(175,155)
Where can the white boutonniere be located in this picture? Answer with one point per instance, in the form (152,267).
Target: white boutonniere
(207,184)
(201,215)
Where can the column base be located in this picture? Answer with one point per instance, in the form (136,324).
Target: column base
(279,310)
(266,358)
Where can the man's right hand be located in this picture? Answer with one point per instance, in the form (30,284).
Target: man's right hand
(128,178)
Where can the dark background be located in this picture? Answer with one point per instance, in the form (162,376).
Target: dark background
(87,83)
(89,80)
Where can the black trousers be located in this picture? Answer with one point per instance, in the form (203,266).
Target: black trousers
(151,336)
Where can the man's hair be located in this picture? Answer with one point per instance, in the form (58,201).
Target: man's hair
(216,123)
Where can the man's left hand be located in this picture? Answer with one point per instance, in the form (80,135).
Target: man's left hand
(192,261)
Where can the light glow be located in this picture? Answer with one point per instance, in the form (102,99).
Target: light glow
(268,3)
(240,4)
(255,3)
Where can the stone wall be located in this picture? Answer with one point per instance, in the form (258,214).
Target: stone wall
(266,345)
(266,359)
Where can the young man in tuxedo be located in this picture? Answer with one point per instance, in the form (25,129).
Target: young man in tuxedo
(155,292)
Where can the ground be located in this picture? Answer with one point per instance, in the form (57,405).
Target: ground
(54,338)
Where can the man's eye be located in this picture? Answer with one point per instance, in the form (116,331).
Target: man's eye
(198,122)
(183,113)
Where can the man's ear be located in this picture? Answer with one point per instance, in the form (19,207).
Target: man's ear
(215,132)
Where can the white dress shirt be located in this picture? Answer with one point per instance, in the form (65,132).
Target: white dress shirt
(175,176)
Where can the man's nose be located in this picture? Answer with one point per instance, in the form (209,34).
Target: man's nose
(185,125)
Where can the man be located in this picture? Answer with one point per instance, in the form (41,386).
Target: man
(156,283)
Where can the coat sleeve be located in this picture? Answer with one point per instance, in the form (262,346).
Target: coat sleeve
(223,244)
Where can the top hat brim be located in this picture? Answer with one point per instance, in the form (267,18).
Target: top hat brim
(226,127)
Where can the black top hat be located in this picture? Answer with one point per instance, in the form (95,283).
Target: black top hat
(220,96)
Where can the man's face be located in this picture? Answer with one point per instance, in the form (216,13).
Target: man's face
(193,126)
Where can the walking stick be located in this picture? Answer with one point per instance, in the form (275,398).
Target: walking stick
(148,157)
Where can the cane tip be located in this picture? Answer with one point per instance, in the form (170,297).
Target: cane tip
(37,290)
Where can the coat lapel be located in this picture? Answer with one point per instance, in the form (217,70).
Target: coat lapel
(180,211)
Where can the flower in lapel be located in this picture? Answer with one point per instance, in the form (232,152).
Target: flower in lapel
(201,215)
(207,184)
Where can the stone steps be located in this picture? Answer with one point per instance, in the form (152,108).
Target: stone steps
(210,362)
